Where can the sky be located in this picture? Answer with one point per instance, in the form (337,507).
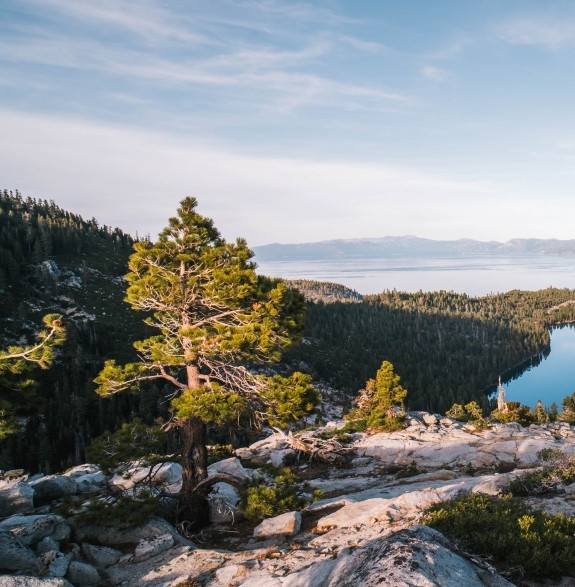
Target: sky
(295,121)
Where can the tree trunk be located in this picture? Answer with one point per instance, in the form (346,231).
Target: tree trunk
(193,507)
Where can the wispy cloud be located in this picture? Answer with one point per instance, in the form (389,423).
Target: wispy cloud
(361,45)
(245,193)
(437,74)
(205,50)
(289,76)
(280,11)
(538,31)
(452,48)
(145,19)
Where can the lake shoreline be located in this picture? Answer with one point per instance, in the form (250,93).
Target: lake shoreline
(476,276)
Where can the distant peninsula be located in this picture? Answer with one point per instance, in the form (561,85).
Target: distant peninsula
(411,246)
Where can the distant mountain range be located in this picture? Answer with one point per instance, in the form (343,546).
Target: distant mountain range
(411,246)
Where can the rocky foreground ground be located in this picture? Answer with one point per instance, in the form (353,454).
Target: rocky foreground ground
(364,531)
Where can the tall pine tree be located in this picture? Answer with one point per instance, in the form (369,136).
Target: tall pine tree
(215,318)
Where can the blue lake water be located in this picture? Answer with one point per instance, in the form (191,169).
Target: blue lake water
(550,381)
(476,276)
(553,378)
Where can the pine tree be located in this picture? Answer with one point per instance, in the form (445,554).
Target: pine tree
(378,401)
(215,319)
(16,365)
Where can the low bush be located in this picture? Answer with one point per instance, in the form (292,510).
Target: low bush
(509,532)
(555,455)
(470,412)
(219,452)
(411,471)
(284,494)
(515,413)
(545,481)
(120,512)
(134,441)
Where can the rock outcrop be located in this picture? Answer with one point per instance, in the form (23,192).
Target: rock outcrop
(416,557)
(363,532)
(287,524)
(16,498)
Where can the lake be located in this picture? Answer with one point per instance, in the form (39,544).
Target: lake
(475,276)
(553,378)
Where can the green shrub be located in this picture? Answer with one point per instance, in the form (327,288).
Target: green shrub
(219,452)
(545,481)
(121,512)
(387,423)
(470,412)
(411,471)
(134,441)
(551,454)
(509,532)
(457,412)
(568,413)
(515,413)
(285,494)
(378,402)
(476,416)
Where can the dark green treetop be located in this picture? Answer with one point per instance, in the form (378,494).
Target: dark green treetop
(215,317)
(216,320)
(377,403)
(16,365)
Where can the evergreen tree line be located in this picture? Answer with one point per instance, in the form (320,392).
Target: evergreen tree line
(55,261)
(324,291)
(32,231)
(449,348)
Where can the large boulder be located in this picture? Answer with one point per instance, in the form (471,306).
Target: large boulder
(46,545)
(223,502)
(16,498)
(166,474)
(83,575)
(259,452)
(88,478)
(52,487)
(287,524)
(430,419)
(55,563)
(32,529)
(282,457)
(417,557)
(29,581)
(81,470)
(405,506)
(15,556)
(110,536)
(504,446)
(148,547)
(232,467)
(101,556)
(224,498)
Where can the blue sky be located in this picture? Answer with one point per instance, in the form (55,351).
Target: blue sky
(295,121)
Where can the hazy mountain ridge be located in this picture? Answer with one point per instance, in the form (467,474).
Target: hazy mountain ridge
(373,248)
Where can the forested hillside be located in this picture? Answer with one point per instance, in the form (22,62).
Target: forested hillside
(55,261)
(447,347)
(315,291)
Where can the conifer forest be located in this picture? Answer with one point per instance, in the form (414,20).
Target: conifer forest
(449,348)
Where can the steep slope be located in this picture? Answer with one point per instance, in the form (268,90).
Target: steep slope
(54,261)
